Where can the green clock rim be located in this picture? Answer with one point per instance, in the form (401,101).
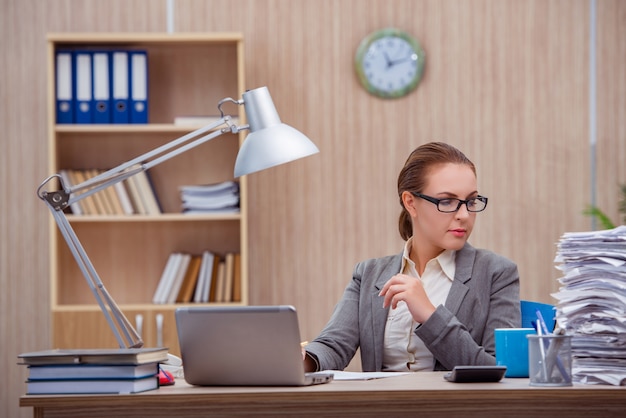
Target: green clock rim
(382,33)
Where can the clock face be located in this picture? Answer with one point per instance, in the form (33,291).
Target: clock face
(389,63)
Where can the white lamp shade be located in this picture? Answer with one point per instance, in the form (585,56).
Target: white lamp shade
(270,142)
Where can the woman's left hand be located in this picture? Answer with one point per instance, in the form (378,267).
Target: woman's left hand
(409,290)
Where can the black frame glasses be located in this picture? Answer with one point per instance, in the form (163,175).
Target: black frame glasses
(447,204)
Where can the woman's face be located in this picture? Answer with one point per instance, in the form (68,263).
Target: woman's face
(444,231)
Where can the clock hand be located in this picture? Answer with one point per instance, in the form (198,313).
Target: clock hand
(399,61)
(387,60)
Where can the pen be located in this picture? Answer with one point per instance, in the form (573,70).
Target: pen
(553,353)
(541,322)
(540,328)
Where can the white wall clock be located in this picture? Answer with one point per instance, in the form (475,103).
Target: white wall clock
(389,63)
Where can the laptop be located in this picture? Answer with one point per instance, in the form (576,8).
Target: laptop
(242,346)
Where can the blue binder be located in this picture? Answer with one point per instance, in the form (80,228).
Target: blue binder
(101,87)
(138,87)
(82,87)
(120,87)
(63,87)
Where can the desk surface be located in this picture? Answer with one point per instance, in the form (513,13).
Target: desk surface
(424,393)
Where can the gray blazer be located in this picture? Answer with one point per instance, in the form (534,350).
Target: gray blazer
(484,296)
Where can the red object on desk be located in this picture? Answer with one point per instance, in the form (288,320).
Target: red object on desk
(165,378)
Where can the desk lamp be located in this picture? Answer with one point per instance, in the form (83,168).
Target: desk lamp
(269,142)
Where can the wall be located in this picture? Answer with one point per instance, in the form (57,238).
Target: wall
(506,81)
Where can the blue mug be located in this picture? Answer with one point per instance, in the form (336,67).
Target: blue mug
(512,350)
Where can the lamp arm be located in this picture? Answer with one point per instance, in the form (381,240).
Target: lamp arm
(125,334)
(69,194)
(57,201)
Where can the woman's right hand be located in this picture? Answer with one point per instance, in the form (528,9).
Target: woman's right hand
(409,290)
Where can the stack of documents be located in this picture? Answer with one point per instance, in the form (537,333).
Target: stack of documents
(220,197)
(592,303)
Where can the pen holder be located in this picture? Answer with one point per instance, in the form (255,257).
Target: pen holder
(550,360)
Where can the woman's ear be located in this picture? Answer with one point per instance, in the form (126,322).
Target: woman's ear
(408,201)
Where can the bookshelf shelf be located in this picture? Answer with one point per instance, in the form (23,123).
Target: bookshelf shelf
(140,128)
(187,75)
(165,217)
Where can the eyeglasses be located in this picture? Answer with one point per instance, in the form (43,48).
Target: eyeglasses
(449,205)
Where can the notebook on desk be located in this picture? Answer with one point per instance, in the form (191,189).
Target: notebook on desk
(243,346)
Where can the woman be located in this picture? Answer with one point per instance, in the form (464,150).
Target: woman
(435,305)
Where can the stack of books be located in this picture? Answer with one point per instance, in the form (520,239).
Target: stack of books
(84,371)
(206,277)
(219,197)
(133,196)
(592,303)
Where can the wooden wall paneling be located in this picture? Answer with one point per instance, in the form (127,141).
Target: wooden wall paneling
(611,107)
(100,16)
(23,231)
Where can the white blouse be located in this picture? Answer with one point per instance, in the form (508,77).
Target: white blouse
(403,350)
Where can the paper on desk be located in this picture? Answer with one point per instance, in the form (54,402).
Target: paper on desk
(592,303)
(343,375)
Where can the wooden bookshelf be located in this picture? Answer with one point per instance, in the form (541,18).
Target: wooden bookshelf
(188,74)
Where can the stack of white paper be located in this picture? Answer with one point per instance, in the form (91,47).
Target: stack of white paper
(220,197)
(592,303)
